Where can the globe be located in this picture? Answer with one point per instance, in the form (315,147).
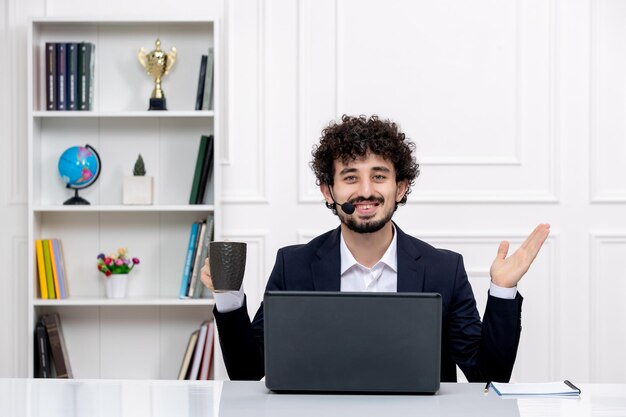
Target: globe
(79,167)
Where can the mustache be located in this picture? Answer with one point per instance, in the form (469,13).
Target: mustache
(356,200)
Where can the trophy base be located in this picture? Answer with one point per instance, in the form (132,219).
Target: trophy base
(157,104)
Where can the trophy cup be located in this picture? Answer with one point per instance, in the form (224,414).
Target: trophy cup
(157,63)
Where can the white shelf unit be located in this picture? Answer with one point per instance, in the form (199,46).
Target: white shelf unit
(145,335)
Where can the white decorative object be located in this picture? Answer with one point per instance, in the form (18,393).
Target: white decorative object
(138,190)
(115,285)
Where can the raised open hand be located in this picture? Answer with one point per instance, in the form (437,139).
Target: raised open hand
(507,271)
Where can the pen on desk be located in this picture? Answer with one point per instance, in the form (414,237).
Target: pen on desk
(487,387)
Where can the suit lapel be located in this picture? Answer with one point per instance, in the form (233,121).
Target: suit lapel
(410,270)
(327,268)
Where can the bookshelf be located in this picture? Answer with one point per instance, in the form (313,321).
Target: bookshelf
(145,335)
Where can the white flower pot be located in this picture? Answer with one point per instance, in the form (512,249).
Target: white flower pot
(138,190)
(115,285)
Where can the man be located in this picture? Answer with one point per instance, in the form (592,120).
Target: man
(369,164)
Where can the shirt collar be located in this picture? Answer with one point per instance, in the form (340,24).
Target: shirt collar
(390,257)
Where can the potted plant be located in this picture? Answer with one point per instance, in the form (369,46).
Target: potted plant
(138,188)
(116,268)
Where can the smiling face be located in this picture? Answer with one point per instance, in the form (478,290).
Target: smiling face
(369,183)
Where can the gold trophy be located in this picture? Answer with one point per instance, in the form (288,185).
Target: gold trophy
(157,63)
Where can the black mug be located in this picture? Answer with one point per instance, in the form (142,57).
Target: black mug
(228,263)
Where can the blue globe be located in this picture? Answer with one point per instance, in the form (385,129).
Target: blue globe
(79,167)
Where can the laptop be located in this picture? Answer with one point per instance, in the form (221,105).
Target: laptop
(356,342)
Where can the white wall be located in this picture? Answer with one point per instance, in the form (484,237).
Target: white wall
(516,106)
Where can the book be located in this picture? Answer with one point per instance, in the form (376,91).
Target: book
(57,345)
(63,279)
(182,293)
(207,170)
(198,289)
(72,75)
(41,270)
(61,76)
(85,62)
(191,347)
(197,355)
(48,266)
(42,351)
(207,99)
(197,264)
(201,77)
(196,247)
(60,269)
(207,355)
(55,271)
(549,389)
(51,76)
(195,185)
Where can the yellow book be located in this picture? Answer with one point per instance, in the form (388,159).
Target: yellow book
(55,270)
(48,266)
(41,269)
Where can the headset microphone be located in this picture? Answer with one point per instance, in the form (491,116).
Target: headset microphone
(346,207)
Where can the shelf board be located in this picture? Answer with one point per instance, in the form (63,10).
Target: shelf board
(129,301)
(126,209)
(125,114)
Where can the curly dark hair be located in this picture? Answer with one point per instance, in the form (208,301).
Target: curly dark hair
(354,137)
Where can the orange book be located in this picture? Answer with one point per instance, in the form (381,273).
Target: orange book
(55,270)
(41,269)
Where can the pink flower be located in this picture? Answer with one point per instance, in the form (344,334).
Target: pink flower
(136,261)
(108,261)
(119,262)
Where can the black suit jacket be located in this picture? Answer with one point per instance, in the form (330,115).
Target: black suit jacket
(484,351)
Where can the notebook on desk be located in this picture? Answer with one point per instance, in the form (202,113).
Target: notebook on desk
(352,342)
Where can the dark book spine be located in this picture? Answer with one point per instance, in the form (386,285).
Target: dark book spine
(57,345)
(207,169)
(72,76)
(51,76)
(193,197)
(85,75)
(42,353)
(92,69)
(201,77)
(61,76)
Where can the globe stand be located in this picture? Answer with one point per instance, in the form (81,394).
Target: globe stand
(76,200)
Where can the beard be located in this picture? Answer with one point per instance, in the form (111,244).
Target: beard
(366,226)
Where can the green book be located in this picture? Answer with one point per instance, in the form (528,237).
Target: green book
(48,265)
(195,186)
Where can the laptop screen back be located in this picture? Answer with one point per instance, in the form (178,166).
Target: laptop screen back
(352,342)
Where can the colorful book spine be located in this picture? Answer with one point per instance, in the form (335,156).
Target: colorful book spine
(41,269)
(188,260)
(208,237)
(59,265)
(63,277)
(191,347)
(197,356)
(48,266)
(55,270)
(207,356)
(195,271)
(51,76)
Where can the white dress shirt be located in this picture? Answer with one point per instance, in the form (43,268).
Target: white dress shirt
(382,277)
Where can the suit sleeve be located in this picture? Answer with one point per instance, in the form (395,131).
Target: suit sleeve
(242,341)
(484,351)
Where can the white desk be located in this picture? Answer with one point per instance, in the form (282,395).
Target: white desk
(111,398)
